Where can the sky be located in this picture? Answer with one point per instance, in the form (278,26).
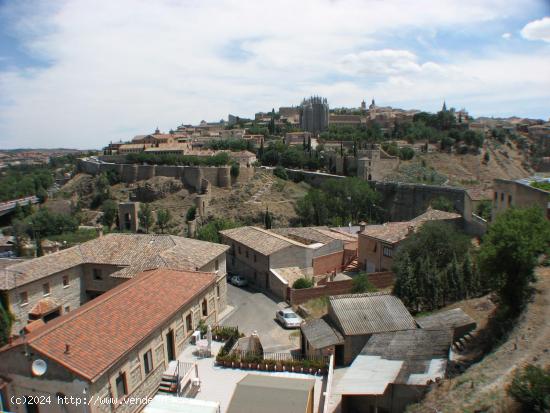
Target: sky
(82,73)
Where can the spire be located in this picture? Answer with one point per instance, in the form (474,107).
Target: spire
(444,108)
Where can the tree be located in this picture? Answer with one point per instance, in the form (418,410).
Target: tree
(42,195)
(164,220)
(280,172)
(110,210)
(267,219)
(146,219)
(428,266)
(361,284)
(509,252)
(211,231)
(443,204)
(6,321)
(531,387)
(235,170)
(191,214)
(301,283)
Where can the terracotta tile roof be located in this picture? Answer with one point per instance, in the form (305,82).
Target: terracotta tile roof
(132,252)
(43,307)
(359,314)
(34,325)
(263,241)
(103,330)
(391,232)
(308,235)
(394,232)
(436,215)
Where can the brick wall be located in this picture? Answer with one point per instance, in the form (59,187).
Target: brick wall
(383,279)
(328,263)
(330,288)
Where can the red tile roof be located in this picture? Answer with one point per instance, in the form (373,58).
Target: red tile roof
(105,329)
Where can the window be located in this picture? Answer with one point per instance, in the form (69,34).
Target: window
(148,362)
(121,389)
(46,289)
(97,274)
(189,322)
(65,281)
(217,265)
(239,249)
(67,309)
(502,197)
(204,308)
(247,253)
(375,247)
(509,200)
(387,251)
(254,257)
(218,291)
(24,298)
(496,196)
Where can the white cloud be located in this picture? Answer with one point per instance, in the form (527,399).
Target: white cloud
(537,30)
(506,36)
(121,68)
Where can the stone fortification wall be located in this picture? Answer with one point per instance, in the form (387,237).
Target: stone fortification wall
(191,176)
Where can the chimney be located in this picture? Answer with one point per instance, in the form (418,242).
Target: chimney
(362,226)
(67,349)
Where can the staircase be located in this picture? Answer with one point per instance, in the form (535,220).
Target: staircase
(353,266)
(168,384)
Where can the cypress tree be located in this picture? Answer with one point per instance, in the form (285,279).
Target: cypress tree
(5,325)
(267,219)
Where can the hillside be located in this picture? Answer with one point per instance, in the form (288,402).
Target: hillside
(471,171)
(482,388)
(245,202)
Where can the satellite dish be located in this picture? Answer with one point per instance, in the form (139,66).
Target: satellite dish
(39,367)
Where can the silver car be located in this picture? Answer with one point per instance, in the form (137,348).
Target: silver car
(288,318)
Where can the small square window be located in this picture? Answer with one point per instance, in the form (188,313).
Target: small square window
(97,274)
(65,281)
(46,288)
(67,309)
(24,297)
(387,251)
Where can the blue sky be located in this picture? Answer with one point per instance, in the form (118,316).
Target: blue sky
(76,73)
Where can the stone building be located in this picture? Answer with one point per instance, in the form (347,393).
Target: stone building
(519,194)
(128,216)
(259,254)
(112,350)
(44,288)
(315,115)
(377,243)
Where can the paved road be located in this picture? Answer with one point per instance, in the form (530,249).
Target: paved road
(254,311)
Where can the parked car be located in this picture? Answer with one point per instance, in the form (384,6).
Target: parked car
(238,281)
(288,318)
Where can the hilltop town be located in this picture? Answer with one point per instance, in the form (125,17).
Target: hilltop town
(308,259)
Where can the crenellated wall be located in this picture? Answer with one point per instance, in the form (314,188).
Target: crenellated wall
(192,176)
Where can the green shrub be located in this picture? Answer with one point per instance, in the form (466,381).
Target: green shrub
(280,172)
(302,283)
(361,284)
(191,213)
(531,388)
